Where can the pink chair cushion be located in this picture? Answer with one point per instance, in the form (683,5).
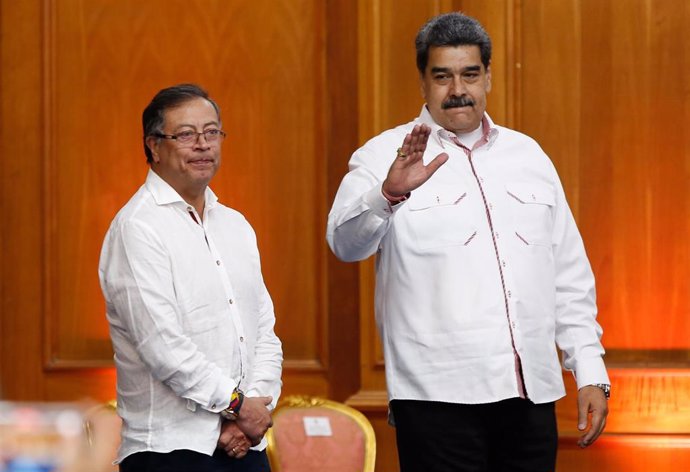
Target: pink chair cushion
(297,452)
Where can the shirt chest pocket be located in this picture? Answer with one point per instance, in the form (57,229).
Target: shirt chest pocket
(440,218)
(532,206)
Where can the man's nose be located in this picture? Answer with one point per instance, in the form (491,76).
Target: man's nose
(201,141)
(458,86)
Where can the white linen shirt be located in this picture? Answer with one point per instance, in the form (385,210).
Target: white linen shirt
(449,293)
(190,319)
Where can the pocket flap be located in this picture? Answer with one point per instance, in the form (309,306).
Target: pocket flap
(527,192)
(439,197)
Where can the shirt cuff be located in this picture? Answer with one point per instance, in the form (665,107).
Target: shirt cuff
(379,204)
(590,372)
(220,399)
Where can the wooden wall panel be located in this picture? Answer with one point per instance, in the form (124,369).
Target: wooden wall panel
(604,88)
(342,313)
(20,170)
(617,130)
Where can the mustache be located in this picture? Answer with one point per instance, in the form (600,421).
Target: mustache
(457,102)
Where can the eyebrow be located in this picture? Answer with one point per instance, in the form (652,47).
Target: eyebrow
(436,70)
(182,125)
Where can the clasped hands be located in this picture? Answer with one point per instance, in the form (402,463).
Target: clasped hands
(236,437)
(408,172)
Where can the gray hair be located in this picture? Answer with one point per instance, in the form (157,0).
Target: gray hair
(451,29)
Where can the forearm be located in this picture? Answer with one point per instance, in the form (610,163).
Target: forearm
(578,334)
(266,370)
(355,231)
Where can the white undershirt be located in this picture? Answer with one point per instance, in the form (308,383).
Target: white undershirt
(469,139)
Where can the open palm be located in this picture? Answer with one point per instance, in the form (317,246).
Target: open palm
(408,171)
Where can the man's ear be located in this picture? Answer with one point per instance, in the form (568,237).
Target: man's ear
(152,144)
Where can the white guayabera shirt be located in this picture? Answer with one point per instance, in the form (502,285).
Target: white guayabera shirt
(190,318)
(482,263)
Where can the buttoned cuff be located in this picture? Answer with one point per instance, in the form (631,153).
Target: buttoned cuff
(590,372)
(220,399)
(379,204)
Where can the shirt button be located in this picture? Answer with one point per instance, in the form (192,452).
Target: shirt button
(213,406)
(231,302)
(217,262)
(513,324)
(241,339)
(509,294)
(503,263)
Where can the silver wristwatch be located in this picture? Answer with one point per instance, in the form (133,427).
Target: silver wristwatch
(606,388)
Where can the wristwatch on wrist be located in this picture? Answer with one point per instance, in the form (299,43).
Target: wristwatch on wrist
(606,388)
(232,412)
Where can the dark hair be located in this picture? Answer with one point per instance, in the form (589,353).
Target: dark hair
(152,119)
(451,29)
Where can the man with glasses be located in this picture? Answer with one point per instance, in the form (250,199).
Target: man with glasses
(191,322)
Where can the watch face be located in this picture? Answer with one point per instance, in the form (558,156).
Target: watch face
(228,414)
(606,388)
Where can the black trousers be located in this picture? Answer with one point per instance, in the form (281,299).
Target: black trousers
(191,461)
(508,436)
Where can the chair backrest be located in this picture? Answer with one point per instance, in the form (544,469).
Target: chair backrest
(102,427)
(315,434)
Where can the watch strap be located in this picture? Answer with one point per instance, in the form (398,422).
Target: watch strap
(606,388)
(232,412)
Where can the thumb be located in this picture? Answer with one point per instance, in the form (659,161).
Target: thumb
(437,162)
(582,413)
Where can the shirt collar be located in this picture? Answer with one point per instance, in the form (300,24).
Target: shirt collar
(164,194)
(442,135)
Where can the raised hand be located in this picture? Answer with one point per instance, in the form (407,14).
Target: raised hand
(255,419)
(408,171)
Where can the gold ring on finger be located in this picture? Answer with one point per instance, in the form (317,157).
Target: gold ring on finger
(401,154)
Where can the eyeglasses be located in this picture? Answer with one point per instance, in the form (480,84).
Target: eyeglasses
(187,137)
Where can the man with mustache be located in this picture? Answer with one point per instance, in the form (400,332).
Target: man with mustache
(481,273)
(191,322)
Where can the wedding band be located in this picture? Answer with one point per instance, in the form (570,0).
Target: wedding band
(401,154)
(233,451)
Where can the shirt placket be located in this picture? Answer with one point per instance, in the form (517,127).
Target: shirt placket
(507,293)
(234,314)
(229,294)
